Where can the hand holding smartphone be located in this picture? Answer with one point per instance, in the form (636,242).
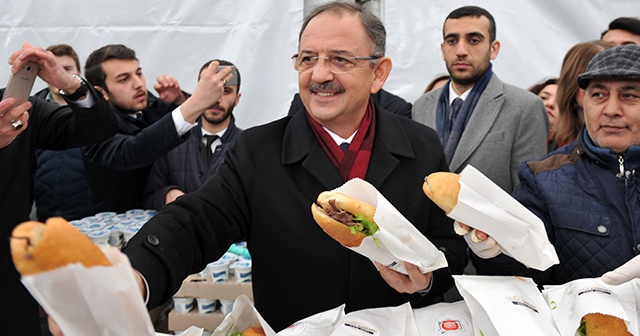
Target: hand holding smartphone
(21,83)
(234,72)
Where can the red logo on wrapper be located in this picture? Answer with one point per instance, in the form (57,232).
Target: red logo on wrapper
(449,325)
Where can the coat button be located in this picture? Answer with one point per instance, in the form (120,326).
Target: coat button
(153,240)
(637,247)
(602,229)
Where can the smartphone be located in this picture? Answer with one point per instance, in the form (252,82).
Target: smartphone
(234,72)
(21,83)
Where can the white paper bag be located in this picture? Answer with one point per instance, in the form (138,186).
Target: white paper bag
(243,316)
(378,321)
(571,301)
(321,324)
(451,319)
(486,207)
(399,240)
(92,301)
(505,305)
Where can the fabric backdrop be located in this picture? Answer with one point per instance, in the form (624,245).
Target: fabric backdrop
(177,37)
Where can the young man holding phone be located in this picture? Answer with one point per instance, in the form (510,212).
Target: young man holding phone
(147,127)
(24,128)
(185,168)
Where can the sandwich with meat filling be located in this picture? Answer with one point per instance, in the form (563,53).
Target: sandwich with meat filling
(344,218)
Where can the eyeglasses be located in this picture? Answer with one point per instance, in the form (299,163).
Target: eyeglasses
(336,64)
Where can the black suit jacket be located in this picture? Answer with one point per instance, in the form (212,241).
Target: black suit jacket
(53,127)
(118,168)
(263,194)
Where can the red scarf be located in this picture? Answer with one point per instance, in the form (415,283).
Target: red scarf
(355,161)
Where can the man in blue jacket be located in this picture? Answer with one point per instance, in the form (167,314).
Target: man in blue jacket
(587,193)
(185,168)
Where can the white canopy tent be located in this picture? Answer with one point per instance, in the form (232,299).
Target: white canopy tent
(177,37)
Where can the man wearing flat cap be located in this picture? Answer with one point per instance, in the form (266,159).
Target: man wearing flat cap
(587,193)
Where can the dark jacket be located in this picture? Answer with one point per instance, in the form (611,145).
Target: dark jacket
(60,184)
(263,194)
(383,98)
(51,127)
(118,168)
(184,166)
(591,215)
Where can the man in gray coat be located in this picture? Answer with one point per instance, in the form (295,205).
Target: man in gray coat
(480,120)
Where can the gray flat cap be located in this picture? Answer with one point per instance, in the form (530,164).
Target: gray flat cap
(621,62)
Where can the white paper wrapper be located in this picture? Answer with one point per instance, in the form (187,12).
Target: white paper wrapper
(450,319)
(399,240)
(571,301)
(92,301)
(486,207)
(378,321)
(506,305)
(243,316)
(321,324)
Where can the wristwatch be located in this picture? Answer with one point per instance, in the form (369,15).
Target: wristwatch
(80,92)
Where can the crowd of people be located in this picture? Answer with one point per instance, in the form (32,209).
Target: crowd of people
(568,148)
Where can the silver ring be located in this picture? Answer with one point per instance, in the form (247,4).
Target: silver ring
(224,81)
(17,124)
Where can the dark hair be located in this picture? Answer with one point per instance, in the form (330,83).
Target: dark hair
(372,25)
(474,11)
(537,87)
(65,50)
(569,112)
(630,24)
(222,62)
(92,68)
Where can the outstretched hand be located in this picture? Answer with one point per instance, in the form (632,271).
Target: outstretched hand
(169,90)
(9,117)
(49,69)
(628,271)
(209,89)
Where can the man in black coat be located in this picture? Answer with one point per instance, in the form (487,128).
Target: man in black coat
(147,126)
(264,190)
(185,168)
(23,129)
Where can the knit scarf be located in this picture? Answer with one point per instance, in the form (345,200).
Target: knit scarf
(355,161)
(449,133)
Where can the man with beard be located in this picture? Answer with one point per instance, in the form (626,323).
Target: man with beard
(481,120)
(185,168)
(147,126)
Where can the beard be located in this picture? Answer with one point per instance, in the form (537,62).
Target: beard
(469,78)
(215,120)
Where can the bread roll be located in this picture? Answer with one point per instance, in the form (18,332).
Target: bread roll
(597,324)
(254,331)
(443,189)
(336,229)
(36,247)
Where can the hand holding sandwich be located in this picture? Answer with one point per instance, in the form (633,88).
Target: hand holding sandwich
(443,189)
(412,282)
(479,242)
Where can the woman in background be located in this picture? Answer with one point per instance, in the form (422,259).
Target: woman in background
(569,95)
(546,90)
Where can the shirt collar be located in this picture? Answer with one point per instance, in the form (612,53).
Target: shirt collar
(338,139)
(453,95)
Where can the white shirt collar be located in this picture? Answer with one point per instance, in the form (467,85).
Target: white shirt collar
(338,139)
(453,95)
